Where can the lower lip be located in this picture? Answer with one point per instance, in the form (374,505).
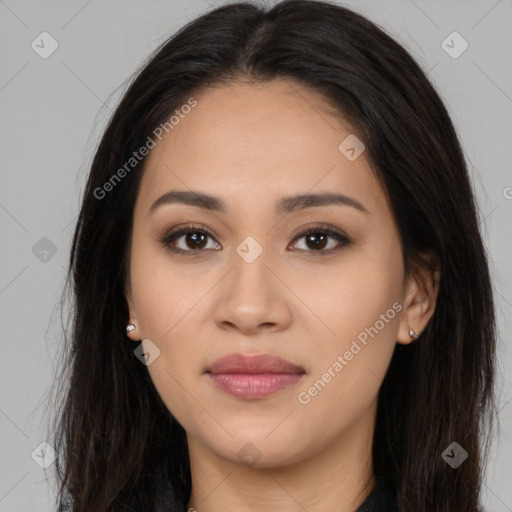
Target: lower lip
(253,386)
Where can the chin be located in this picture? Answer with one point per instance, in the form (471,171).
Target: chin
(258,451)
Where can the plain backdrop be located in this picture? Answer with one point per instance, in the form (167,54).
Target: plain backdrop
(53,111)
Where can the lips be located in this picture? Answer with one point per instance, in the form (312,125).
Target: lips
(265,363)
(253,377)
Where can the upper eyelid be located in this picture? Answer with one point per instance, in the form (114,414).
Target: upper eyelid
(302,231)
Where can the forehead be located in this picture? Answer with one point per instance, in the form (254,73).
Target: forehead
(257,143)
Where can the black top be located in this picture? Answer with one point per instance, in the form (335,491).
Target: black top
(381,499)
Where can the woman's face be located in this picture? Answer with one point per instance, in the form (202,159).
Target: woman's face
(247,282)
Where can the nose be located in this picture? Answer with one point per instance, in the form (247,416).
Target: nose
(253,298)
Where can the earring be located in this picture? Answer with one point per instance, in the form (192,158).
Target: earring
(413,334)
(130,327)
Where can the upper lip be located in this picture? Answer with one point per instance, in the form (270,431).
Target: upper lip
(262,363)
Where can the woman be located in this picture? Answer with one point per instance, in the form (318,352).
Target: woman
(281,295)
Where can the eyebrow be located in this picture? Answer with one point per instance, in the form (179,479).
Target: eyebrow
(284,205)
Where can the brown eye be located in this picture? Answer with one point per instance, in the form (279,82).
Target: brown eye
(317,240)
(191,239)
(195,240)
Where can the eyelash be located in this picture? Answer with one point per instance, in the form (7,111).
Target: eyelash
(190,228)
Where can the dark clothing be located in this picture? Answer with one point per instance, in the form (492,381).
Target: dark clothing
(381,499)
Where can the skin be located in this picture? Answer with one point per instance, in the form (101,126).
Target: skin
(251,145)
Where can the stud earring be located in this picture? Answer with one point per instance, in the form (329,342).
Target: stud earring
(413,334)
(130,327)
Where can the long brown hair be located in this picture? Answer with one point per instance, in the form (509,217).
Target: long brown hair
(119,447)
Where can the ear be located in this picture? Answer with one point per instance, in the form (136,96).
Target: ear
(421,292)
(135,333)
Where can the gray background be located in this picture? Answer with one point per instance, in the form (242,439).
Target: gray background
(53,110)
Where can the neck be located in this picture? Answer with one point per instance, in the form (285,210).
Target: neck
(336,479)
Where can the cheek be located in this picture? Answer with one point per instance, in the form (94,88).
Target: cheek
(352,296)
(348,371)
(168,305)
(360,305)
(163,292)
(170,302)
